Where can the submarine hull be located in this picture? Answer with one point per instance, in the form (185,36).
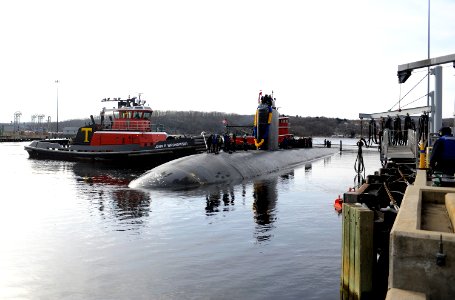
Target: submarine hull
(224,168)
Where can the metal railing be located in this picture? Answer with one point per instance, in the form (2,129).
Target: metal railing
(131,125)
(391,138)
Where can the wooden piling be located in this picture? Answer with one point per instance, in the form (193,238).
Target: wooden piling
(357,252)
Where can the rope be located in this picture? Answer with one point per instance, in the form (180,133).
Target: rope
(415,100)
(372,133)
(359,165)
(404,178)
(409,91)
(392,200)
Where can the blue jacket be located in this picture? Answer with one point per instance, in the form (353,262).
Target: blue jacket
(443,155)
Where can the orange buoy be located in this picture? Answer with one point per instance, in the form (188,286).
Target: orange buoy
(338,204)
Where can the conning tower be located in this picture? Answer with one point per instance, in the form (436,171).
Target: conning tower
(266,124)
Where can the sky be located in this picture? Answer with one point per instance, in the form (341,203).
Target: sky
(320,58)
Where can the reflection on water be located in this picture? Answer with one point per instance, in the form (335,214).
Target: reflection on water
(264,194)
(265,197)
(214,197)
(327,160)
(131,204)
(49,166)
(105,175)
(107,189)
(213,202)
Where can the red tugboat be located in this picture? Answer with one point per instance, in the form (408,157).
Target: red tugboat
(125,137)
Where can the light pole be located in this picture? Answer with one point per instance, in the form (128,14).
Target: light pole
(56,82)
(428,56)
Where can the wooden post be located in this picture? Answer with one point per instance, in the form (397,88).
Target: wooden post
(357,252)
(345,252)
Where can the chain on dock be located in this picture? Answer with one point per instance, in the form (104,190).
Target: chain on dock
(392,200)
(404,178)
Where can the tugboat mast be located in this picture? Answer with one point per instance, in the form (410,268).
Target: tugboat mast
(130,102)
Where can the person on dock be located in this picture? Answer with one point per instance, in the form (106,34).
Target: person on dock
(102,116)
(227,143)
(215,143)
(389,126)
(234,142)
(408,124)
(209,143)
(285,143)
(442,157)
(397,137)
(219,143)
(245,143)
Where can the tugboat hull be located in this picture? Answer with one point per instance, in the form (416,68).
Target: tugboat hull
(159,153)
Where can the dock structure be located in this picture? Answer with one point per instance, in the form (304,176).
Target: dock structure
(422,242)
(390,148)
(399,153)
(414,210)
(413,236)
(396,152)
(9,139)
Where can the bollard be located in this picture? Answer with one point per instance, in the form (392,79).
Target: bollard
(422,155)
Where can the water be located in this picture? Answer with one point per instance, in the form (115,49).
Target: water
(76,231)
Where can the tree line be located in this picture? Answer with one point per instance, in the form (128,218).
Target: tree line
(195,122)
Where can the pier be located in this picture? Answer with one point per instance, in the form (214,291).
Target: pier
(6,139)
(413,237)
(406,250)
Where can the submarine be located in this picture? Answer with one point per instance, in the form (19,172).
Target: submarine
(227,167)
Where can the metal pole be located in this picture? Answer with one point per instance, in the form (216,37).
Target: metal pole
(428,51)
(437,71)
(431,117)
(57,104)
(361,127)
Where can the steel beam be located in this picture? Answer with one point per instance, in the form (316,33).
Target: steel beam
(402,112)
(404,71)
